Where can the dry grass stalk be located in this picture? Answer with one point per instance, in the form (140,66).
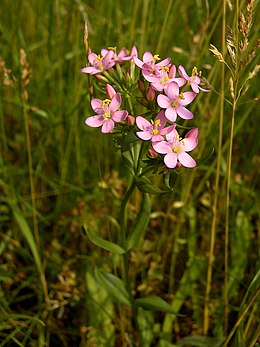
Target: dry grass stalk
(26,74)
(230,5)
(8,79)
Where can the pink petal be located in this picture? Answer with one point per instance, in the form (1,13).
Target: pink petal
(119,116)
(183,73)
(167,130)
(95,121)
(162,147)
(90,70)
(157,138)
(92,57)
(188,144)
(186,160)
(184,113)
(157,86)
(171,114)
(194,87)
(149,76)
(164,62)
(172,90)
(96,104)
(163,101)
(148,57)
(143,123)
(188,98)
(115,102)
(170,160)
(138,62)
(162,118)
(107,126)
(172,135)
(172,72)
(192,133)
(180,81)
(144,135)
(108,58)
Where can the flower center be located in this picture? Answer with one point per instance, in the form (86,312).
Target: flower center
(107,115)
(164,80)
(175,104)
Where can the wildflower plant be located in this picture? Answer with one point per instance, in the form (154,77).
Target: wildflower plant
(143,104)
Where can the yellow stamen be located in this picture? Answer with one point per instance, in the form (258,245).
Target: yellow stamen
(164,68)
(105,102)
(180,96)
(196,72)
(155,131)
(156,57)
(107,115)
(112,48)
(157,122)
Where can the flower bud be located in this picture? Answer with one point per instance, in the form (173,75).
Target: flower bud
(130,120)
(152,153)
(150,94)
(141,85)
(172,72)
(110,91)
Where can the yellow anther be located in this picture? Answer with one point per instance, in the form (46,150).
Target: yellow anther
(112,48)
(157,122)
(196,72)
(164,68)
(105,102)
(155,131)
(177,149)
(180,96)
(156,57)
(99,58)
(164,80)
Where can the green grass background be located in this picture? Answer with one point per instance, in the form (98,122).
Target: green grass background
(78,179)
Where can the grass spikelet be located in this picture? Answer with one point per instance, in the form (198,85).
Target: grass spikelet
(230,5)
(216,53)
(231,87)
(8,79)
(25,74)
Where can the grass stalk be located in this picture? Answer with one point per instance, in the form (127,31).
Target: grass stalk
(214,209)
(229,163)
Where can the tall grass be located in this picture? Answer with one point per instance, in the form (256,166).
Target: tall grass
(200,250)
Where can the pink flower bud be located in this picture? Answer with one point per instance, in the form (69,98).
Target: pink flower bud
(150,94)
(152,153)
(130,120)
(110,91)
(141,85)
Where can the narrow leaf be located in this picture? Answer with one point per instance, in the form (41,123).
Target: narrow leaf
(146,186)
(201,341)
(141,223)
(107,245)
(114,286)
(154,303)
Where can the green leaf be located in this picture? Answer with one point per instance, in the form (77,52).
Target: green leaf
(142,221)
(114,286)
(201,341)
(107,245)
(146,186)
(27,233)
(154,303)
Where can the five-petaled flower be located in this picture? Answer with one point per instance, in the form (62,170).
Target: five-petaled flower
(99,63)
(154,130)
(193,80)
(107,113)
(175,148)
(174,102)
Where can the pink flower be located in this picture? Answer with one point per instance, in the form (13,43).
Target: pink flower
(107,113)
(153,130)
(162,77)
(99,63)
(174,102)
(193,80)
(175,148)
(123,55)
(149,61)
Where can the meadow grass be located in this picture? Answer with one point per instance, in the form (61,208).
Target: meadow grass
(200,251)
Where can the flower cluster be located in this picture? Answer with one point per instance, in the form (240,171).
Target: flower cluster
(166,93)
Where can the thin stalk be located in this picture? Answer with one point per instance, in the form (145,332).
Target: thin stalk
(231,136)
(240,319)
(162,31)
(214,209)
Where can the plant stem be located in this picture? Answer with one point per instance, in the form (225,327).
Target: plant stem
(214,209)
